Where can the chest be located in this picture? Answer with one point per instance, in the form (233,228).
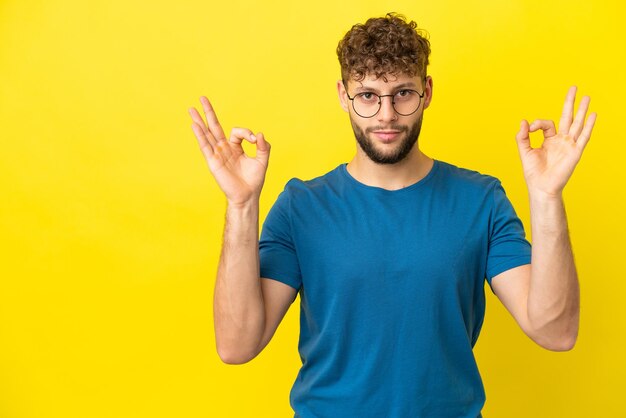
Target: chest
(414,249)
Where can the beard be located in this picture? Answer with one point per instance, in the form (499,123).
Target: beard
(396,155)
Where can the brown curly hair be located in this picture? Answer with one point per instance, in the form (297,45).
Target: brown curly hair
(383,46)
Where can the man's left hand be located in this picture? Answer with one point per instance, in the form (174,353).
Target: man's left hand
(548,168)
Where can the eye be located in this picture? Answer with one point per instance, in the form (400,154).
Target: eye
(367,96)
(404,96)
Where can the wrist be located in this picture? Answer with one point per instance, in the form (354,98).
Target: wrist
(547,213)
(541,196)
(245,205)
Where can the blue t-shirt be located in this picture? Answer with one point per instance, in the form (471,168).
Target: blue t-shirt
(391,288)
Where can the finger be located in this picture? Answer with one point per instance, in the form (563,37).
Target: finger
(523,138)
(585,135)
(547,126)
(568,111)
(577,126)
(195,116)
(262,149)
(211,119)
(205,146)
(237,135)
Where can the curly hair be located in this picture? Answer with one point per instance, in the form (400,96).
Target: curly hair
(383,46)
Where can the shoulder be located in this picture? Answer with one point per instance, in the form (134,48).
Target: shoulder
(297,187)
(465,178)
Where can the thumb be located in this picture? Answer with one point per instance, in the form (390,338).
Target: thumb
(523,139)
(262,149)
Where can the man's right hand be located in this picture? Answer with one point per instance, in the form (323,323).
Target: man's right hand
(239,176)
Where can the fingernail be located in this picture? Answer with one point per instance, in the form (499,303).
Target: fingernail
(253,137)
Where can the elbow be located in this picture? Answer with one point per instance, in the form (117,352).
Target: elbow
(563,344)
(235,356)
(557,334)
(557,341)
(236,348)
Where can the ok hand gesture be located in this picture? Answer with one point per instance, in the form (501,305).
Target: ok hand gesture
(548,168)
(239,176)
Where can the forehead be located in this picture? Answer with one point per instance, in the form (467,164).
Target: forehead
(386,82)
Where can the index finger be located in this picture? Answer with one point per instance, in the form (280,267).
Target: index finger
(214,125)
(568,111)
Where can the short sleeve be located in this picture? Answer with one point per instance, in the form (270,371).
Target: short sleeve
(277,253)
(508,247)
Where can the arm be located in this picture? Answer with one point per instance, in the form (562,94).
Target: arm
(247,310)
(544,297)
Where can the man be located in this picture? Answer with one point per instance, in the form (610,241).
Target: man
(390,252)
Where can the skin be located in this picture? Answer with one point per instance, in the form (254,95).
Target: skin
(246,309)
(543,297)
(416,164)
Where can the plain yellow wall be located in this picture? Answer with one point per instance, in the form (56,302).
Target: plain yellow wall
(111,224)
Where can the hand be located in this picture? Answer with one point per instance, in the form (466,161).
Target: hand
(239,176)
(547,169)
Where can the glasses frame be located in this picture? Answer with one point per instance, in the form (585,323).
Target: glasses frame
(380,102)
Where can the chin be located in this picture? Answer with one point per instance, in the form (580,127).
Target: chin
(374,148)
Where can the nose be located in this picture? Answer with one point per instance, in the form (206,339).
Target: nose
(386,112)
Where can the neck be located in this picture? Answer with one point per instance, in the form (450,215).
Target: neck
(397,176)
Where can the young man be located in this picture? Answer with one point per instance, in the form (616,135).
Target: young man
(390,252)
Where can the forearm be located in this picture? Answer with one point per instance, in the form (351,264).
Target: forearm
(239,313)
(554,295)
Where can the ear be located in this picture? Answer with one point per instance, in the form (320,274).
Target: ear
(343,95)
(428,91)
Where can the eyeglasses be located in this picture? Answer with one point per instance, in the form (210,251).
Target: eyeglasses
(405,102)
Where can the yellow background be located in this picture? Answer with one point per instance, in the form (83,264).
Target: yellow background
(111,223)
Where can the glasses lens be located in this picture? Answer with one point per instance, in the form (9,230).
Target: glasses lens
(366,104)
(406,102)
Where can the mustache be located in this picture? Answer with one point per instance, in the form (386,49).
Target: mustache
(401,128)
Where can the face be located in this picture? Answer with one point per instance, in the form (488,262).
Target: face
(387,137)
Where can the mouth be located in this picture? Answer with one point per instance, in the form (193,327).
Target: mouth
(387,136)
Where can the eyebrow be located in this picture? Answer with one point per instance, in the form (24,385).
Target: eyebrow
(399,86)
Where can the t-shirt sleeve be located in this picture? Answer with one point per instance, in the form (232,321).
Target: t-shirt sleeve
(508,247)
(277,253)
